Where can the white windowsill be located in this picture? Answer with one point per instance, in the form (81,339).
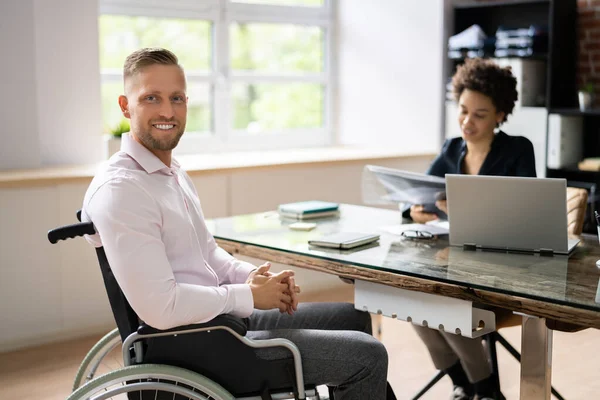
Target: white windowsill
(210,163)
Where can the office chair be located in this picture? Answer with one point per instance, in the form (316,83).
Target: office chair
(576,209)
(231,368)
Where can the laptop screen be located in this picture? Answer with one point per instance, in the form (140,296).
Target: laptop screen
(508,212)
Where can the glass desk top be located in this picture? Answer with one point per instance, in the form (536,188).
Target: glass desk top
(571,281)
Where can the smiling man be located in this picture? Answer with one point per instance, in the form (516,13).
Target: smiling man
(149,220)
(155,101)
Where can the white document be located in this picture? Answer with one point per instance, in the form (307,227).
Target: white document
(471,37)
(381,185)
(440,223)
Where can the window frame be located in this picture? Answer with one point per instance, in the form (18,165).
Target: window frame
(221,14)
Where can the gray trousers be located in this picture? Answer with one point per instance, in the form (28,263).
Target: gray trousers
(446,349)
(335,343)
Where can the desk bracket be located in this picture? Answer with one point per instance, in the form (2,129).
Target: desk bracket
(451,315)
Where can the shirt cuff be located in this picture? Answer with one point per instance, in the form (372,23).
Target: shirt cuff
(243,270)
(243,301)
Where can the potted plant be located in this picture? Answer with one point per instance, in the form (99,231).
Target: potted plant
(586,96)
(113,139)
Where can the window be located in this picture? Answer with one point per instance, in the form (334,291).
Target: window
(258,71)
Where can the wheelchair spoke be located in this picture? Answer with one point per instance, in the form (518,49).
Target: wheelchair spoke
(162,380)
(110,362)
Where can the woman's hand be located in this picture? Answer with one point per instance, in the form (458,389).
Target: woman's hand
(442,205)
(419,216)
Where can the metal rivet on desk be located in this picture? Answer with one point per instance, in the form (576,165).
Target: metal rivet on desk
(394,315)
(379,312)
(458,331)
(409,319)
(365,308)
(425,324)
(441,327)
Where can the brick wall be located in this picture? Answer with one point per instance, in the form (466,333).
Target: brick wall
(588,65)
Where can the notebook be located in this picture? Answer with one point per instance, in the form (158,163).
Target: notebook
(344,240)
(308,209)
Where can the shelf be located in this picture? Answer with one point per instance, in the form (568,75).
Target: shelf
(573,171)
(594,112)
(537,57)
(482,4)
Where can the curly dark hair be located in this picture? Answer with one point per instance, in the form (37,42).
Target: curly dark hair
(486,77)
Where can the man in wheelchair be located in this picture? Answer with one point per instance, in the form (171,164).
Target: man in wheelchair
(148,219)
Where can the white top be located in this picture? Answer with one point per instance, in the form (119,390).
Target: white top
(150,223)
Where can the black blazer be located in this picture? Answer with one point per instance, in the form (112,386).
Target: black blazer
(508,156)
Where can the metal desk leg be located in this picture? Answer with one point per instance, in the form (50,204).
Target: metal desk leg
(536,359)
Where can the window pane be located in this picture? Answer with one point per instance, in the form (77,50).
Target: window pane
(111,112)
(312,3)
(200,114)
(120,35)
(267,107)
(276,47)
(200,111)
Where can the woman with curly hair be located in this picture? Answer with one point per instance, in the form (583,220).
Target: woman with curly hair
(486,95)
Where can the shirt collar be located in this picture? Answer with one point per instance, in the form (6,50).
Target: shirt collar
(143,156)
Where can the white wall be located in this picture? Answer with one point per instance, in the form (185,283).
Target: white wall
(389,65)
(18,106)
(50,106)
(68,81)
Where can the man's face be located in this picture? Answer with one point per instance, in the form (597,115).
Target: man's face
(156,103)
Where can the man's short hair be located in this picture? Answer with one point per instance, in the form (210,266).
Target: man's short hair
(142,58)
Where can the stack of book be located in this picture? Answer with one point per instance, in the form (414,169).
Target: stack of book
(309,210)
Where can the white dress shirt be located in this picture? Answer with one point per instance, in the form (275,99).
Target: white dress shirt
(168,265)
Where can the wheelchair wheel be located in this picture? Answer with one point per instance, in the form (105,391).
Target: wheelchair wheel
(151,381)
(104,357)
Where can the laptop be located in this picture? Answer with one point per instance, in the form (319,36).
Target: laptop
(508,213)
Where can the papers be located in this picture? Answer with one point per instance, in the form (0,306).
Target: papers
(470,38)
(391,186)
(435,229)
(440,223)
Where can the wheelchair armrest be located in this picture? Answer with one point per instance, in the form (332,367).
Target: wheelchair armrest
(235,323)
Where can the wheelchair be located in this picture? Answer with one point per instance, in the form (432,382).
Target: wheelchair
(230,367)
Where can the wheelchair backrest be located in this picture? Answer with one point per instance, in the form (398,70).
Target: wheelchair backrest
(126,319)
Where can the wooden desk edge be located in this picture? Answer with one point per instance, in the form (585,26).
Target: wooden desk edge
(538,308)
